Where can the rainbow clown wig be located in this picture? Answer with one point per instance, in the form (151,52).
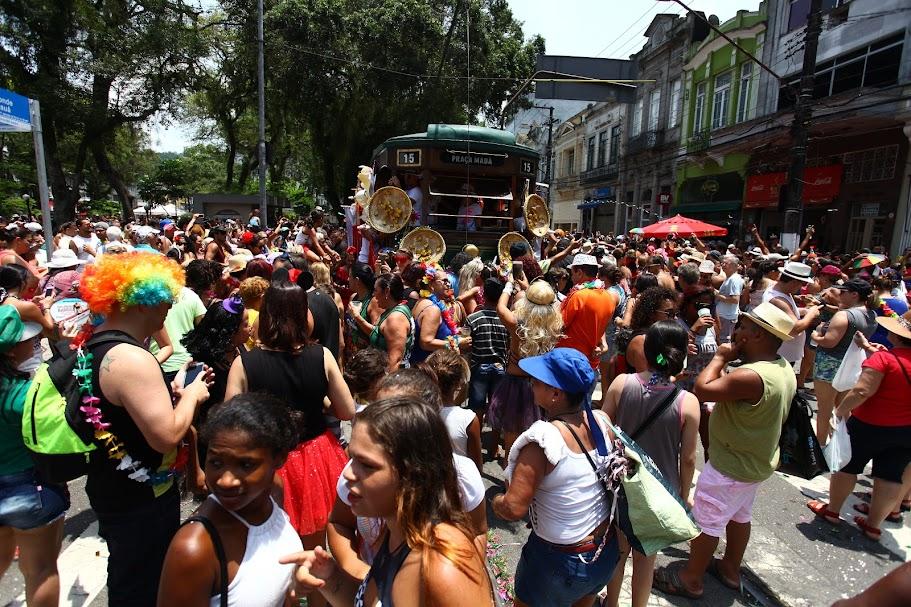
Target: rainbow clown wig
(130,279)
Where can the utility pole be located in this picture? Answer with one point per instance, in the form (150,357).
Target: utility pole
(803,113)
(263,163)
(549,151)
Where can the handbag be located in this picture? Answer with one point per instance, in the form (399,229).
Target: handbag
(800,453)
(649,512)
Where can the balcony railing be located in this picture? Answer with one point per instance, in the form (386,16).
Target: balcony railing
(698,142)
(566,181)
(646,141)
(608,171)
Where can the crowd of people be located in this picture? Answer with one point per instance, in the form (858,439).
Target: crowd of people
(227,360)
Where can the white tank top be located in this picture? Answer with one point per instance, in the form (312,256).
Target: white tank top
(570,502)
(792,350)
(260,580)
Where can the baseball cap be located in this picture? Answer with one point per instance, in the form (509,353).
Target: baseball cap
(706,267)
(857,285)
(830,270)
(164,222)
(13,330)
(563,368)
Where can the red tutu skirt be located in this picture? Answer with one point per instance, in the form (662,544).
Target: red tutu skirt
(310,476)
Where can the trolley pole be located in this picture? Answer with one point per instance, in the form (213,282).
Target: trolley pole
(800,130)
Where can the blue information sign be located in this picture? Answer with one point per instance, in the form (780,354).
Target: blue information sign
(14,112)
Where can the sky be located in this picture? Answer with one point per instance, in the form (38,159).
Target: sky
(585,28)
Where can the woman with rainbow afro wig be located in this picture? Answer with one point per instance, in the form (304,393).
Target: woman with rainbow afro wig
(132,279)
(140,421)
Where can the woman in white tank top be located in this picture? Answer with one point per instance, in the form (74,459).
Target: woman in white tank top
(228,553)
(572,550)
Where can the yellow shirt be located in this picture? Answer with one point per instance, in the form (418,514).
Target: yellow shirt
(743,436)
(252,316)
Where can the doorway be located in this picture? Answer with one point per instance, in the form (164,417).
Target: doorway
(866,232)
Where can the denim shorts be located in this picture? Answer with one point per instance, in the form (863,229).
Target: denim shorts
(826,366)
(547,577)
(27,504)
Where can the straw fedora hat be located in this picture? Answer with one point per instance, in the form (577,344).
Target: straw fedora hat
(772,319)
(897,325)
(237,263)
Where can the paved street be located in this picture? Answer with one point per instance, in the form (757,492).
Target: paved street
(793,559)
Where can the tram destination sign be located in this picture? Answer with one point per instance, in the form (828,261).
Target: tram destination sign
(473,159)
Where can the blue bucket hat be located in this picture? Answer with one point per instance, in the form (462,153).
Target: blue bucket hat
(569,370)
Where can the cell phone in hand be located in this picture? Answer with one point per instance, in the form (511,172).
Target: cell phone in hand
(517,268)
(49,291)
(193,372)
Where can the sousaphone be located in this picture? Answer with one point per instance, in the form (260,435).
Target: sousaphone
(425,244)
(505,241)
(389,210)
(537,215)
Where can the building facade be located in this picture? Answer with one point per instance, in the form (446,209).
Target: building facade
(652,131)
(720,119)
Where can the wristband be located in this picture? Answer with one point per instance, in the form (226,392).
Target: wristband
(508,289)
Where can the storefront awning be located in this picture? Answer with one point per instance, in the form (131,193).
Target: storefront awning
(591,204)
(821,186)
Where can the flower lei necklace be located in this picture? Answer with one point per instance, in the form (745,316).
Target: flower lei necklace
(592,284)
(107,440)
(885,309)
(446,313)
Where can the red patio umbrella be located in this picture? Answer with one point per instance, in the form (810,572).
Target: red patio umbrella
(682,226)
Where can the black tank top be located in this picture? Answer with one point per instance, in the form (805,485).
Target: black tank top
(385,567)
(298,379)
(325,320)
(111,490)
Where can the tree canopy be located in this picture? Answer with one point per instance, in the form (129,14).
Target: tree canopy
(341,77)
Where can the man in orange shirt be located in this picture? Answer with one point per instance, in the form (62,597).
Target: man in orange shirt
(587,310)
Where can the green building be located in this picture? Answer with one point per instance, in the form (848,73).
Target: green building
(721,85)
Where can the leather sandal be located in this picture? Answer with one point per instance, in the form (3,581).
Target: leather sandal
(821,509)
(872,533)
(893,517)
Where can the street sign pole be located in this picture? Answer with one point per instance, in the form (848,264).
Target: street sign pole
(41,171)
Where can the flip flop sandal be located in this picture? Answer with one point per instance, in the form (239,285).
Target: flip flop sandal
(821,509)
(870,532)
(863,508)
(715,572)
(667,580)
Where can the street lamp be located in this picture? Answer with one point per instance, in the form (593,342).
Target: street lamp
(28,205)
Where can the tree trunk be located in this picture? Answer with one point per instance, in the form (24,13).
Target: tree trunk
(114,178)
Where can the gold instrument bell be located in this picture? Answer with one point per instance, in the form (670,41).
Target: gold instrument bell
(471,250)
(389,210)
(537,215)
(425,244)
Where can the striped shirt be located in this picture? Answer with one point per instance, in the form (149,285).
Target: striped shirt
(489,338)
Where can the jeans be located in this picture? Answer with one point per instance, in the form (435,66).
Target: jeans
(547,577)
(25,503)
(138,541)
(484,380)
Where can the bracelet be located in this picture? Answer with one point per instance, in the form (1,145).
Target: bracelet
(452,342)
(508,289)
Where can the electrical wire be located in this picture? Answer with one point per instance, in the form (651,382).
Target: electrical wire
(631,25)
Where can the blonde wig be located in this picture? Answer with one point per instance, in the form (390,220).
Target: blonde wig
(469,273)
(540,324)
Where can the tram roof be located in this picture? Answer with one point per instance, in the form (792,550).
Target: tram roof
(460,137)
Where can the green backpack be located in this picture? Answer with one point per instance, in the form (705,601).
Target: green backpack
(56,432)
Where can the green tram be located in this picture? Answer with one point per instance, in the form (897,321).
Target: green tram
(473,180)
